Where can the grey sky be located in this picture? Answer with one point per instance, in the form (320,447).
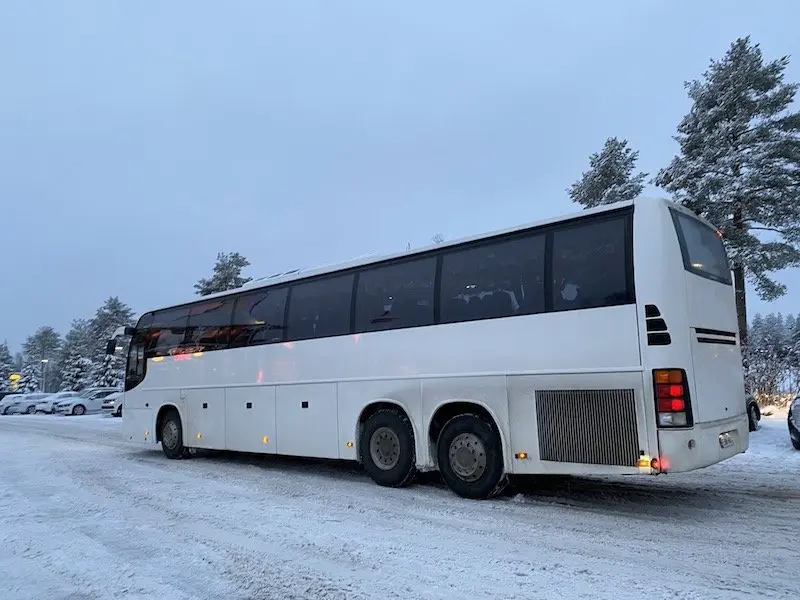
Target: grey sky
(138,139)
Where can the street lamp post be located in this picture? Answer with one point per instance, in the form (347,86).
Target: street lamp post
(44,375)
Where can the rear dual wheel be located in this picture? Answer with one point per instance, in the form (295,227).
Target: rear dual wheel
(470,457)
(469,452)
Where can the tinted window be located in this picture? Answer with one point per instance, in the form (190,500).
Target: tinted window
(136,361)
(214,313)
(399,295)
(258,317)
(173,317)
(209,324)
(702,249)
(500,279)
(589,265)
(320,308)
(168,329)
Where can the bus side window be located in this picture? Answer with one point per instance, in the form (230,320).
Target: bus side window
(258,318)
(168,329)
(494,280)
(589,265)
(395,296)
(320,308)
(209,324)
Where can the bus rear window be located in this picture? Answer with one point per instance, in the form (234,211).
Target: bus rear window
(702,248)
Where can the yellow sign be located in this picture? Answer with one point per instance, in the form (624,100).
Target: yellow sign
(14,380)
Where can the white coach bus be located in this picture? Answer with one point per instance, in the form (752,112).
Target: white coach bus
(599,343)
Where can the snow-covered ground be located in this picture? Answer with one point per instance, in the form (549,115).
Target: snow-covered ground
(85,516)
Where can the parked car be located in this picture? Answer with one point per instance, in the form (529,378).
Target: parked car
(753,412)
(48,404)
(793,420)
(113,404)
(7,401)
(25,404)
(88,401)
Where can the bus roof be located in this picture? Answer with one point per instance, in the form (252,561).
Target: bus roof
(288,276)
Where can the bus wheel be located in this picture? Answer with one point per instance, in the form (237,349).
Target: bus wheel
(172,436)
(387,448)
(471,458)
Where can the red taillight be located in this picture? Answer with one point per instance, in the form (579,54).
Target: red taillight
(671,405)
(672,398)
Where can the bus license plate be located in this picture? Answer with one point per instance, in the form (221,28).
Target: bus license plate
(726,439)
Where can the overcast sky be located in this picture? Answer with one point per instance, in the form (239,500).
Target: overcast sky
(138,139)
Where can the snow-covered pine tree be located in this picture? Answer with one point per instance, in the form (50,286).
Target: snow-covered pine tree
(227,275)
(610,177)
(107,318)
(77,373)
(793,354)
(109,374)
(77,345)
(29,382)
(767,354)
(739,166)
(6,367)
(45,345)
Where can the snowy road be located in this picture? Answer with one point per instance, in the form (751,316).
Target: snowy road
(85,516)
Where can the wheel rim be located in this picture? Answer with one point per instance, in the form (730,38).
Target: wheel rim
(384,448)
(78,410)
(31,410)
(170,435)
(467,457)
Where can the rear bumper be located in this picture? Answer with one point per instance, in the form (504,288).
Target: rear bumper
(703,445)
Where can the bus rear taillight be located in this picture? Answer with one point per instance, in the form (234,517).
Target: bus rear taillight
(673,408)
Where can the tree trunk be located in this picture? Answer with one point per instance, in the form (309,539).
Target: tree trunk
(741,302)
(738,277)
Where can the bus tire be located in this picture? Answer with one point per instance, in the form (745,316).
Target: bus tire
(387,448)
(753,417)
(172,436)
(470,457)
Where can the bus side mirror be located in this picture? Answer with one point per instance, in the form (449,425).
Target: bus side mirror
(111,347)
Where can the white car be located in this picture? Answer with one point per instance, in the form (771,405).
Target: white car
(7,401)
(48,404)
(24,403)
(112,404)
(88,401)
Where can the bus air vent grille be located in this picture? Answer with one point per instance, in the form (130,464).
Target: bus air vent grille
(596,427)
(657,331)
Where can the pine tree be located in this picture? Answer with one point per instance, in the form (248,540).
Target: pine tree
(107,319)
(739,165)
(77,373)
(30,380)
(77,346)
(768,356)
(6,367)
(109,374)
(43,348)
(227,275)
(610,177)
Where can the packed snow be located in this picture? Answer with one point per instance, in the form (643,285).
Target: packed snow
(83,515)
